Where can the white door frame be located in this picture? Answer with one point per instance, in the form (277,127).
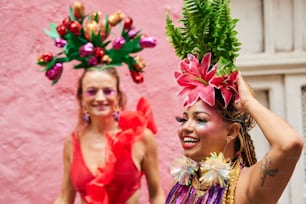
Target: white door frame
(274,86)
(293,90)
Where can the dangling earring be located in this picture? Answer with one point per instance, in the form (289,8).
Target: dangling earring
(116,113)
(86,117)
(225,147)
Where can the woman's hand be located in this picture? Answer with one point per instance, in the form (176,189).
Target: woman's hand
(246,95)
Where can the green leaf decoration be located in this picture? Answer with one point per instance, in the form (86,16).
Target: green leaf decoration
(106,24)
(122,54)
(49,65)
(54,82)
(96,39)
(131,45)
(52,32)
(71,15)
(96,18)
(130,61)
(81,65)
(206,26)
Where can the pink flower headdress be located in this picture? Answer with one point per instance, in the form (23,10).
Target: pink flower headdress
(84,38)
(208,47)
(199,80)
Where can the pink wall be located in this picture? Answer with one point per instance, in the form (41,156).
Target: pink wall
(35,117)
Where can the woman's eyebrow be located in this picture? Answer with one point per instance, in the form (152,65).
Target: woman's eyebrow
(201,112)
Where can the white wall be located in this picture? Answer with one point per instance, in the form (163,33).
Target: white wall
(273,60)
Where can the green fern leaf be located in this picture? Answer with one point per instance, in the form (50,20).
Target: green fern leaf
(207,26)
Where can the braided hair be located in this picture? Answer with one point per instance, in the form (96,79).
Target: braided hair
(244,145)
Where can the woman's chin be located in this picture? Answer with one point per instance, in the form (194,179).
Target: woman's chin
(191,154)
(102,114)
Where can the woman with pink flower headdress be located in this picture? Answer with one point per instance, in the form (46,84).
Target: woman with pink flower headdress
(219,163)
(111,149)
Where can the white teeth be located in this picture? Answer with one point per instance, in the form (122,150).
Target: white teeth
(192,140)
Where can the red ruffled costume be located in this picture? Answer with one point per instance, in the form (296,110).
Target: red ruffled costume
(119,179)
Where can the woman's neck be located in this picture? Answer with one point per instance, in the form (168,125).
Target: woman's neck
(99,125)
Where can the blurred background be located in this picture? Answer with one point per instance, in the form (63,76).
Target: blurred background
(36,117)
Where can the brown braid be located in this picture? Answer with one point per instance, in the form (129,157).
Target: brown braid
(248,151)
(244,144)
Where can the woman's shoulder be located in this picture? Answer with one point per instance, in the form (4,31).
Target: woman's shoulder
(68,139)
(242,191)
(71,140)
(148,136)
(68,146)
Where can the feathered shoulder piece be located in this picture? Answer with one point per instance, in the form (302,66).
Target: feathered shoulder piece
(206,42)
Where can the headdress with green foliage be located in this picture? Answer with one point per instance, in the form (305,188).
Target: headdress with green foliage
(207,28)
(85,38)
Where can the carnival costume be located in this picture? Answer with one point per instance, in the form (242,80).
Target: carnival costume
(119,178)
(85,39)
(207,44)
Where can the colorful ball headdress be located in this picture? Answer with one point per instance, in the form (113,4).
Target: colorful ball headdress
(207,43)
(84,38)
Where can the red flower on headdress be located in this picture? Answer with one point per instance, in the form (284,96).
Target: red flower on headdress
(227,84)
(195,77)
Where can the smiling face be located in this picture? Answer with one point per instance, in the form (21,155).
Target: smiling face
(202,131)
(100,95)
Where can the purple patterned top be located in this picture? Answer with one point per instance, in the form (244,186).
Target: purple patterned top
(182,194)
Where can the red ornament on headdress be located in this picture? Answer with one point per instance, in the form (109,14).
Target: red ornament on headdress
(137,76)
(128,23)
(45,58)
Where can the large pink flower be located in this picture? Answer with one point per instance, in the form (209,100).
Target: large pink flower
(195,77)
(227,84)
